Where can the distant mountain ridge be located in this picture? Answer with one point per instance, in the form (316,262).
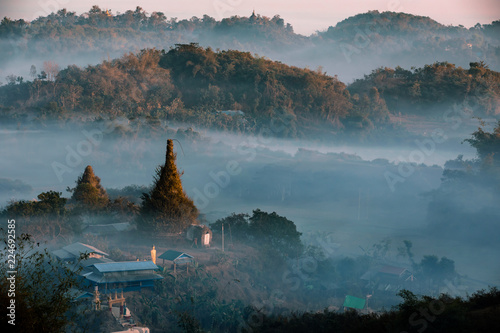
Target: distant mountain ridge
(351,48)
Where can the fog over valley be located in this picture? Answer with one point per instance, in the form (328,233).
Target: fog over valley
(231,175)
(352,191)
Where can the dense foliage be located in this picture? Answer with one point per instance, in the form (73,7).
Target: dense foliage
(369,39)
(187,83)
(434,88)
(167,208)
(266,230)
(46,217)
(402,38)
(477,313)
(65,32)
(44,288)
(196,85)
(88,193)
(465,203)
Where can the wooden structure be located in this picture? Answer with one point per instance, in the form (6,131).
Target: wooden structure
(72,252)
(199,235)
(388,278)
(177,258)
(125,275)
(117,300)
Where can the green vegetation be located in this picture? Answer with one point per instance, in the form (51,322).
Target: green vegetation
(43,288)
(64,31)
(381,37)
(436,87)
(187,84)
(477,313)
(266,230)
(192,84)
(469,192)
(487,145)
(46,217)
(88,193)
(167,208)
(270,267)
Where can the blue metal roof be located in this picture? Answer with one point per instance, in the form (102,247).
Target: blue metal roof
(125,266)
(100,278)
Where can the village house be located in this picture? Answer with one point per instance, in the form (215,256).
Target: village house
(388,278)
(199,235)
(124,275)
(96,270)
(73,252)
(176,258)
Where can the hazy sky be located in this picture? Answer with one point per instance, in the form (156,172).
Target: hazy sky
(305,16)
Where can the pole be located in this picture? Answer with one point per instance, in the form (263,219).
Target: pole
(222,237)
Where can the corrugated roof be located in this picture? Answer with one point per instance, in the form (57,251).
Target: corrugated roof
(77,294)
(83,266)
(174,255)
(369,275)
(125,266)
(62,254)
(99,278)
(77,248)
(354,302)
(90,262)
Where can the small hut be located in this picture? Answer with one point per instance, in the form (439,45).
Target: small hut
(199,235)
(177,258)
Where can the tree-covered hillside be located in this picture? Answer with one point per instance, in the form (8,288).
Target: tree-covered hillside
(99,33)
(434,87)
(350,49)
(196,85)
(187,83)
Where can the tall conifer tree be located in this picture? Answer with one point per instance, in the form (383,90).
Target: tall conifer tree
(88,191)
(167,208)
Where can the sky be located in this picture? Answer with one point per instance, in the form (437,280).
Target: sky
(305,16)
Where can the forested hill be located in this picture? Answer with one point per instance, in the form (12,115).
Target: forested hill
(433,88)
(193,84)
(350,49)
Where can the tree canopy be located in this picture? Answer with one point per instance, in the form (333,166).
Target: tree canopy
(89,192)
(167,208)
(439,86)
(46,217)
(192,84)
(43,288)
(487,145)
(267,230)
